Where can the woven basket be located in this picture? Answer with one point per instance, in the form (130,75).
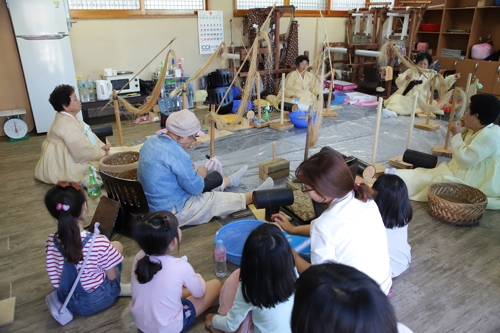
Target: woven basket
(129,174)
(456,204)
(119,162)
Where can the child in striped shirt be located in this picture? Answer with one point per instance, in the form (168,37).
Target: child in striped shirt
(99,284)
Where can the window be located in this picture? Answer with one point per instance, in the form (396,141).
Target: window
(305,7)
(309,4)
(248,4)
(134,8)
(351,4)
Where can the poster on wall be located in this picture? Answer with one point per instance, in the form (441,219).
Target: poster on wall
(210,30)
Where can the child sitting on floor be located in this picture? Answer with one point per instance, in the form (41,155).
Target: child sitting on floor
(394,206)
(333,297)
(266,286)
(159,302)
(100,280)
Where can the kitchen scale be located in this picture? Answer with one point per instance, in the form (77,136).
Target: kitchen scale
(15,127)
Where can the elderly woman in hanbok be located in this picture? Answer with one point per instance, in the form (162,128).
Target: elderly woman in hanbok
(411,83)
(302,85)
(71,146)
(475,158)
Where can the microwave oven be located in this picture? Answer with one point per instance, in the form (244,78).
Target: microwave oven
(118,81)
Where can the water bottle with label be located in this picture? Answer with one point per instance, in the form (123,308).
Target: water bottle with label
(91,89)
(82,89)
(266,117)
(220,259)
(93,189)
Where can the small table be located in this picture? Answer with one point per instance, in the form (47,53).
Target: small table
(100,104)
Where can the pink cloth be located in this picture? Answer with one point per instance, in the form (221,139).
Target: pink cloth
(156,306)
(226,300)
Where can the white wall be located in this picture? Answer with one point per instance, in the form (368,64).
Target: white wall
(129,44)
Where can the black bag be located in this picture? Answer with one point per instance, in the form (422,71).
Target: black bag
(494,56)
(147,86)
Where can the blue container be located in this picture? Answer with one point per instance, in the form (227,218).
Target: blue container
(236,91)
(236,105)
(300,244)
(338,98)
(299,119)
(235,234)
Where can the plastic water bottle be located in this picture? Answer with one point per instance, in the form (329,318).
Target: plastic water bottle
(266,116)
(93,189)
(82,89)
(190,97)
(91,89)
(220,259)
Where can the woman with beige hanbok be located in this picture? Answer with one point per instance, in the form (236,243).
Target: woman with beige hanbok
(71,146)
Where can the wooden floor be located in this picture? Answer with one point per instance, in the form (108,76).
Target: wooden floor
(453,284)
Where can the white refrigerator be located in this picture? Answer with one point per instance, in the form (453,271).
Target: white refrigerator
(41,28)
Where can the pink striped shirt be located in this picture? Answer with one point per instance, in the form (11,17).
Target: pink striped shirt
(103,257)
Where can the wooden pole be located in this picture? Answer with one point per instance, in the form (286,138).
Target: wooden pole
(467,87)
(452,114)
(431,98)
(117,117)
(306,150)
(412,120)
(282,97)
(184,97)
(377,129)
(330,91)
(274,152)
(212,134)
(259,114)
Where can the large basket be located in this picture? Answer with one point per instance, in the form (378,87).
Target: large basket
(129,174)
(456,204)
(119,162)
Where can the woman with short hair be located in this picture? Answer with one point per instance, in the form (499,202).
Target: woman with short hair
(70,147)
(475,155)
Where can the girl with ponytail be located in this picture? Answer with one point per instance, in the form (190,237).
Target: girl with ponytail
(160,303)
(350,231)
(65,249)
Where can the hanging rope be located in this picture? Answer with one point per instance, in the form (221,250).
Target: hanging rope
(252,73)
(152,100)
(220,51)
(125,103)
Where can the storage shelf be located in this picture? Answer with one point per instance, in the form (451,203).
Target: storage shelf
(456,33)
(428,32)
(462,8)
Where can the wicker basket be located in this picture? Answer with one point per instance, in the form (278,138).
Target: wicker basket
(119,162)
(456,204)
(129,174)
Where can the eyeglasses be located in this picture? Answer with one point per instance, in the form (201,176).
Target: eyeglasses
(193,137)
(304,189)
(65,184)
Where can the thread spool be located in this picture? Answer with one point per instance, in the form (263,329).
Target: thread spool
(351,161)
(212,180)
(419,159)
(272,199)
(366,170)
(289,107)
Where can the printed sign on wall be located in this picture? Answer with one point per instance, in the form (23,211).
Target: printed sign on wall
(210,30)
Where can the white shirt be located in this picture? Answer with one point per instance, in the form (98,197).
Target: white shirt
(351,232)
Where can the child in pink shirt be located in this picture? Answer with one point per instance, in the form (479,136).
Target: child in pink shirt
(159,302)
